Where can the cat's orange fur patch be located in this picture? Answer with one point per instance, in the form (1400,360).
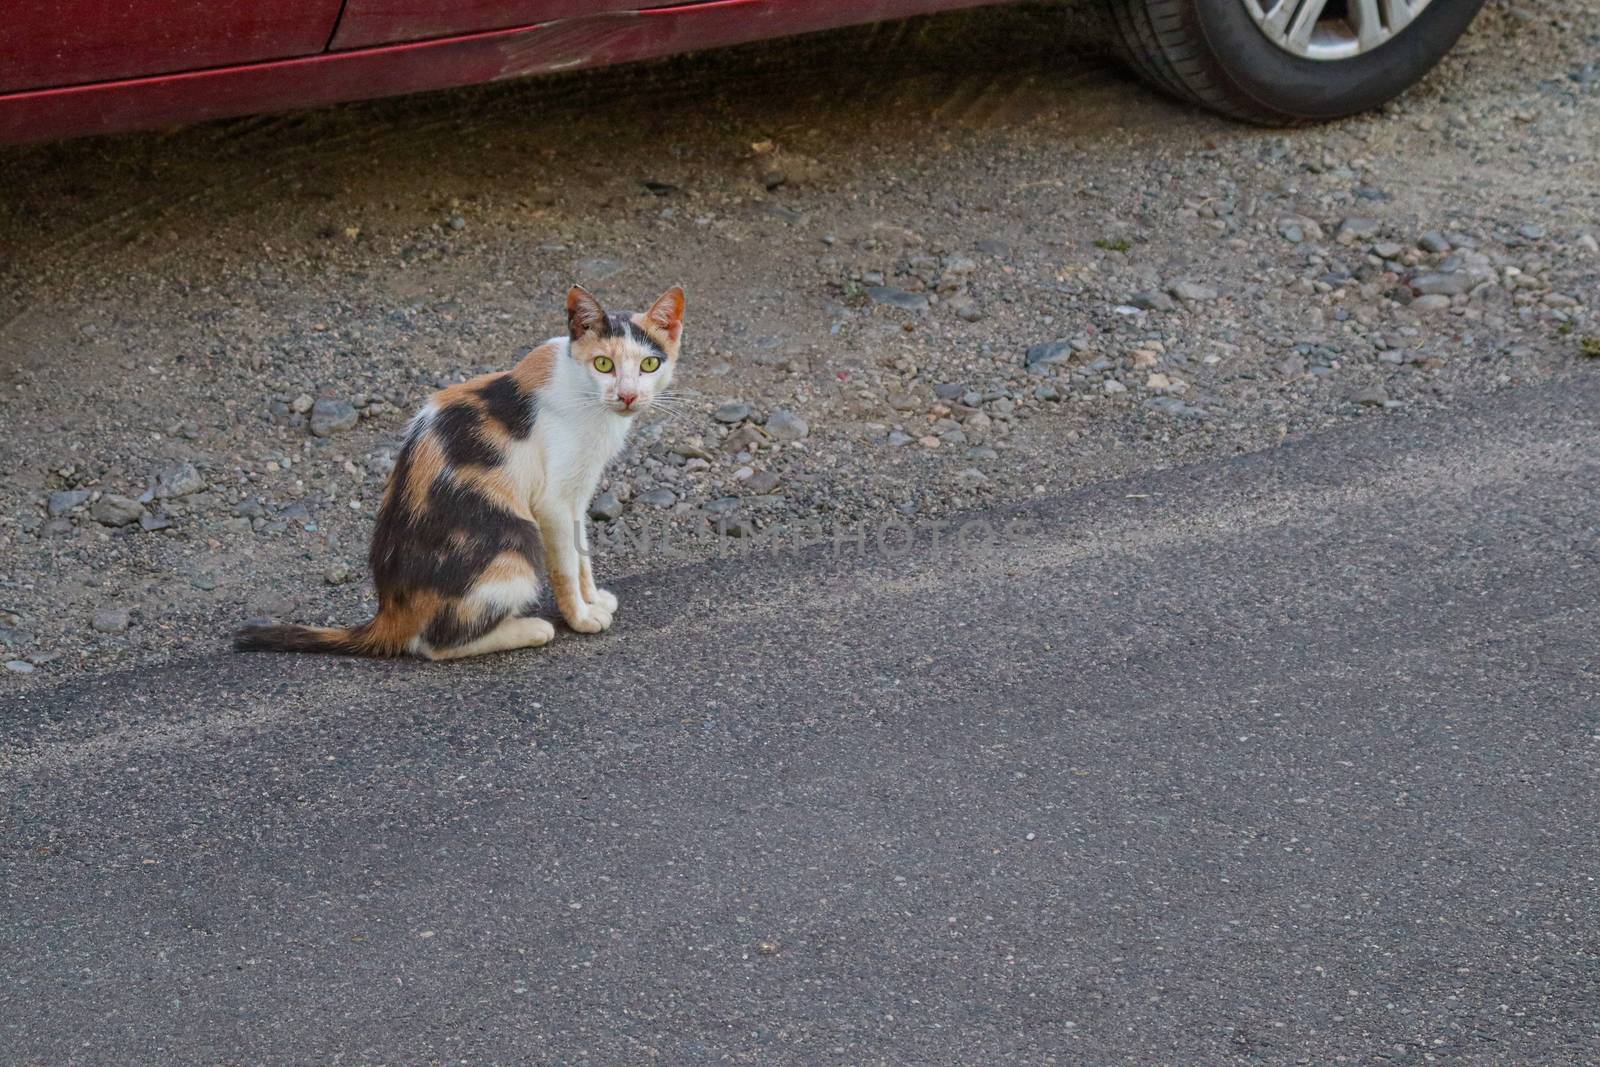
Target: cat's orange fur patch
(507,567)
(427,463)
(463,392)
(496,484)
(400,619)
(534,369)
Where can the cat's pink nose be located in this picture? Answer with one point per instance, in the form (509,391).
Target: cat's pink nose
(627,397)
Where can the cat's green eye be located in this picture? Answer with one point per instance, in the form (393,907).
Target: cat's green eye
(603,364)
(649,363)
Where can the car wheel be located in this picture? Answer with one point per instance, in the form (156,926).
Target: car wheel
(1282,62)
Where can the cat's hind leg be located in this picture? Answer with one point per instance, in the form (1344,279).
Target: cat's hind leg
(512,632)
(496,614)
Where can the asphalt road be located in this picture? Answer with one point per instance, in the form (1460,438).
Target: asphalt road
(1285,758)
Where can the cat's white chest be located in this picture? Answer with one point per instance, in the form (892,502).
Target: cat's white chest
(574,453)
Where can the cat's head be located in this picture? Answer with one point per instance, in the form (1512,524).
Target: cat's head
(628,359)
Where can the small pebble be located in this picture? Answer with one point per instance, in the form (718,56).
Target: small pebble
(110,621)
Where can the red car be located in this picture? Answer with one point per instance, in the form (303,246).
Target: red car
(73,67)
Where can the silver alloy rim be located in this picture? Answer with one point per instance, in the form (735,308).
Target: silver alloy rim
(1332,29)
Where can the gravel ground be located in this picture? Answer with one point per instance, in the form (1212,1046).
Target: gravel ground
(1003,269)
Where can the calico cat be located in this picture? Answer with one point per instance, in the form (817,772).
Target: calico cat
(493,473)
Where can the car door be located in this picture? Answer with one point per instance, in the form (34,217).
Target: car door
(70,42)
(374,22)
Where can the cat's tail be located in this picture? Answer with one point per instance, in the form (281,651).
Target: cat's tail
(371,638)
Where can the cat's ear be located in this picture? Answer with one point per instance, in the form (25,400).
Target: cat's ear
(666,314)
(584,313)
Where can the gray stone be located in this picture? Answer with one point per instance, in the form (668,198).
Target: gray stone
(110,621)
(899,298)
(732,412)
(905,402)
(179,479)
(151,521)
(785,425)
(1372,397)
(329,417)
(605,507)
(691,451)
(19,666)
(1048,352)
(1152,300)
(746,438)
(1297,228)
(761,483)
(966,308)
(734,526)
(660,497)
(1531,231)
(114,510)
(337,573)
(1356,229)
(899,439)
(1431,302)
(1190,292)
(948,391)
(65,500)
(1433,241)
(1442,283)
(722,505)
(1171,405)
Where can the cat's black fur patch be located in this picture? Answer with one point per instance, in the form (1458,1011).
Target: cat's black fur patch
(506,403)
(457,429)
(446,547)
(447,629)
(387,539)
(623,326)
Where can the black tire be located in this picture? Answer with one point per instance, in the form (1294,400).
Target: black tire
(1212,53)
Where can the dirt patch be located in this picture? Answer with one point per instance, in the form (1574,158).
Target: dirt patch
(872,247)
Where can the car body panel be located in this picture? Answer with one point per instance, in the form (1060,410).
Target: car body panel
(67,42)
(366,23)
(331,77)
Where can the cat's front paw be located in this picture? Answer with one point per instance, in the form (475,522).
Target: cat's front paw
(594,619)
(605,598)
